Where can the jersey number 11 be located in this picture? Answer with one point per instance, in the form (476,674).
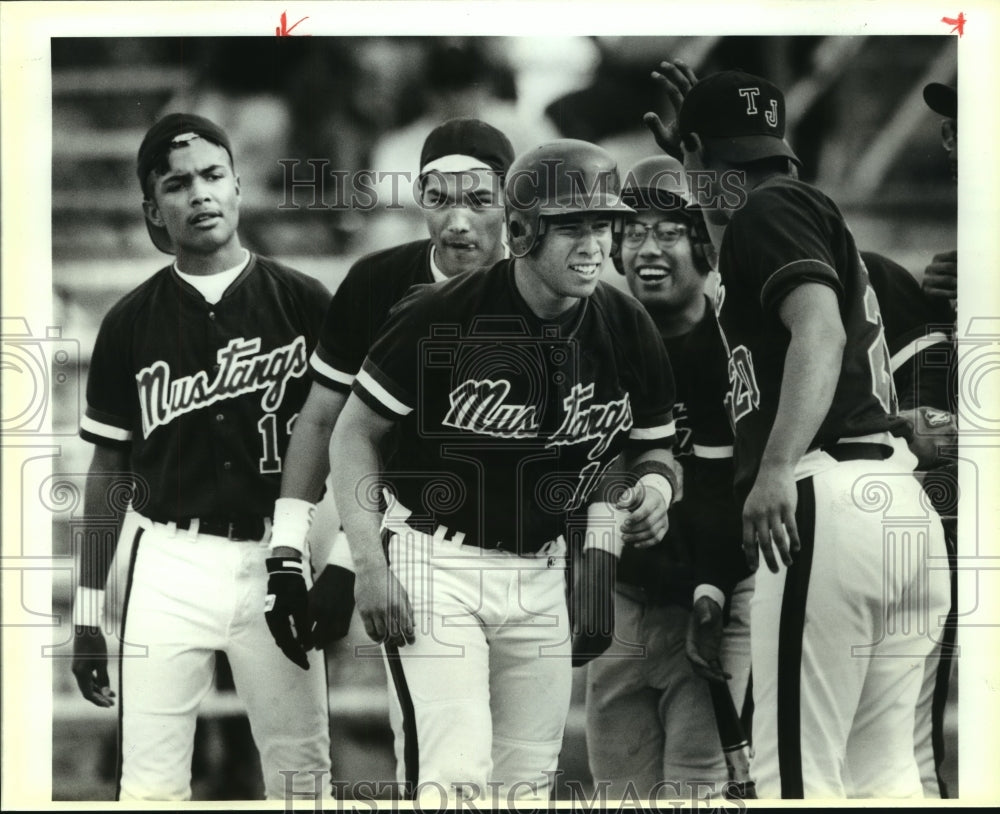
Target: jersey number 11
(270,461)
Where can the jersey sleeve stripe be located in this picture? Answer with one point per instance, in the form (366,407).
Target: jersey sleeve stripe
(922,343)
(329,372)
(93,427)
(712,453)
(652,433)
(367,382)
(801,271)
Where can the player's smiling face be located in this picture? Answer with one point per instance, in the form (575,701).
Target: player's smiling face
(197,200)
(464,214)
(659,270)
(567,264)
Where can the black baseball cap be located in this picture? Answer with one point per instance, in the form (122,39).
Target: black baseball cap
(173,130)
(739,117)
(942,99)
(461,145)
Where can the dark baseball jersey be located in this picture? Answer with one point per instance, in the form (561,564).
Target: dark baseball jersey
(205,394)
(509,421)
(919,332)
(703,542)
(703,368)
(715,516)
(360,308)
(665,569)
(789,233)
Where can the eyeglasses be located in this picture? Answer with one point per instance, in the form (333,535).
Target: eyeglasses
(666,233)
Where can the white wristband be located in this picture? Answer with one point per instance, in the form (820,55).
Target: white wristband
(651,480)
(292,518)
(88,607)
(340,552)
(604,523)
(712,592)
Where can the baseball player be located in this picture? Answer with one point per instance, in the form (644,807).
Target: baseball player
(462,167)
(941,275)
(940,283)
(515,390)
(650,719)
(836,673)
(195,380)
(919,333)
(919,336)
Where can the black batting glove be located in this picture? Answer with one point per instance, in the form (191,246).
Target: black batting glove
(286,608)
(90,665)
(331,605)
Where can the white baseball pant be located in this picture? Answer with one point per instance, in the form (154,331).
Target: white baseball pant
(188,595)
(840,639)
(485,688)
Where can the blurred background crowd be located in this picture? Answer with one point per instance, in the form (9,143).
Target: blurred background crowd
(856,119)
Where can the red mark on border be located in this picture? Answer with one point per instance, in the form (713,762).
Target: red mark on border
(284,30)
(957,24)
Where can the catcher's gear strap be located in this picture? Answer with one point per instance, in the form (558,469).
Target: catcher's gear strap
(88,607)
(292,518)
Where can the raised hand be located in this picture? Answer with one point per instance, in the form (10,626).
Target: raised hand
(677,79)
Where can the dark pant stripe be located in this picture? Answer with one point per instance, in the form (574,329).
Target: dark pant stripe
(121,661)
(746,709)
(943,676)
(329,719)
(411,751)
(793,616)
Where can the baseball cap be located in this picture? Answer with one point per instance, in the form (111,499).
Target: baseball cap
(173,130)
(460,145)
(739,117)
(942,99)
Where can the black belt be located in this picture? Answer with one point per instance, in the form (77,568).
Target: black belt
(241,528)
(858,451)
(432,527)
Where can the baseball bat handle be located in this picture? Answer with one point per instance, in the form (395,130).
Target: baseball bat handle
(735,743)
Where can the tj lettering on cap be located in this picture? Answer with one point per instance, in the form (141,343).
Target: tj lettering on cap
(738,116)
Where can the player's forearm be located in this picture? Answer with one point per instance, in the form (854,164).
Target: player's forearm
(809,380)
(307,463)
(637,461)
(632,458)
(304,470)
(97,544)
(102,519)
(355,449)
